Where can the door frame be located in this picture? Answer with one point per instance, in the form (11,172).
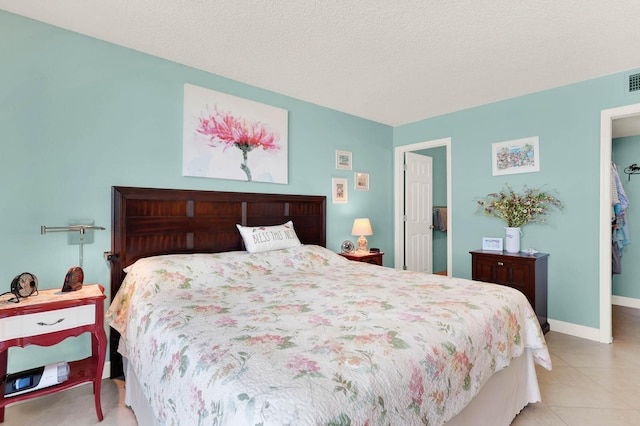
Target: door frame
(398,162)
(606,146)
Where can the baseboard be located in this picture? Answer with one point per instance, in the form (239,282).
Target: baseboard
(575,330)
(106,371)
(629,302)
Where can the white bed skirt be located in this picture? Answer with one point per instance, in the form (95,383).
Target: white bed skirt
(503,396)
(500,400)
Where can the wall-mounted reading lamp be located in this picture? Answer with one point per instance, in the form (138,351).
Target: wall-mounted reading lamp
(84,234)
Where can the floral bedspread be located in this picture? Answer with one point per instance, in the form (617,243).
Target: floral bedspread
(305,337)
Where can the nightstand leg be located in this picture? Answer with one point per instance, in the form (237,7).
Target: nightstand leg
(99,345)
(3,374)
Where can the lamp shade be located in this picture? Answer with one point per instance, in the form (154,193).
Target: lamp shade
(361,226)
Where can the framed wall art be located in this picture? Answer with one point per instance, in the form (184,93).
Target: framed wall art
(340,193)
(491,244)
(343,160)
(516,156)
(362,181)
(227,137)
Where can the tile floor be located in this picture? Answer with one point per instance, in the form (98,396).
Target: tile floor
(590,384)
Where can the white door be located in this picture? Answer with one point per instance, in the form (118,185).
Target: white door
(418,231)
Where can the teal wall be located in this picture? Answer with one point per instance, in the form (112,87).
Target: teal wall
(626,151)
(567,121)
(78,115)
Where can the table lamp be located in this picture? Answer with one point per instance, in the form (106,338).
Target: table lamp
(362,227)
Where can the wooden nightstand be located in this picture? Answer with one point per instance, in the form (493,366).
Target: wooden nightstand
(47,319)
(368,257)
(524,272)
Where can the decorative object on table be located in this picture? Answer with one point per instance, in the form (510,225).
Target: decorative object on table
(24,285)
(343,160)
(361,227)
(517,210)
(340,193)
(227,137)
(512,236)
(73,280)
(347,246)
(516,156)
(361,181)
(491,244)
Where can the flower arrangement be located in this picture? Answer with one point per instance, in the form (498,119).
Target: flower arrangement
(532,206)
(224,128)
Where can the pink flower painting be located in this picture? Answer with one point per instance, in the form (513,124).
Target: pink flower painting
(222,128)
(256,134)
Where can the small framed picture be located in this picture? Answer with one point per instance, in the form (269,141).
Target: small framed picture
(343,160)
(491,244)
(362,181)
(517,156)
(339,191)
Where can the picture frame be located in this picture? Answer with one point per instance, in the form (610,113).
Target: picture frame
(339,191)
(516,156)
(361,181)
(492,244)
(344,160)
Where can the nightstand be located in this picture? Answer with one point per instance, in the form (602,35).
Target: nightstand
(367,257)
(522,271)
(47,319)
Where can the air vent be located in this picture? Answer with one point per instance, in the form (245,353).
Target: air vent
(634,82)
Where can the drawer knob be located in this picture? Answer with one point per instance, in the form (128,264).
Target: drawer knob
(53,323)
(500,264)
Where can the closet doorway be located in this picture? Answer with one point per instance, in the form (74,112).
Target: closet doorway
(607,119)
(401,193)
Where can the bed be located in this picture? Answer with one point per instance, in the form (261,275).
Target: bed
(213,334)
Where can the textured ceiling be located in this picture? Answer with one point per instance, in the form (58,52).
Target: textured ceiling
(394,62)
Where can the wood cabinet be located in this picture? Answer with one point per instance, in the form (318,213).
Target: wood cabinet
(522,271)
(48,318)
(368,257)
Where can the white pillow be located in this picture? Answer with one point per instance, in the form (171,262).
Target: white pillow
(267,238)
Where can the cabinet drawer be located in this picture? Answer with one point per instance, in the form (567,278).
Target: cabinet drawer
(46,322)
(512,274)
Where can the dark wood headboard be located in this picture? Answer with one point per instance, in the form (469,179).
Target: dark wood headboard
(147,222)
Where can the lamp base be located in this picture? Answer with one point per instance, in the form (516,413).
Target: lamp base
(362,243)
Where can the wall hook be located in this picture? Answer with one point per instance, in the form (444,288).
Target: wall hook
(633,169)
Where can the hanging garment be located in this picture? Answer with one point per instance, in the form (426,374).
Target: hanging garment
(622,196)
(440,219)
(616,266)
(620,236)
(614,188)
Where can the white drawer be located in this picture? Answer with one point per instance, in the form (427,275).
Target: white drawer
(46,322)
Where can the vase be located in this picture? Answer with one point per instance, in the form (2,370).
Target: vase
(512,240)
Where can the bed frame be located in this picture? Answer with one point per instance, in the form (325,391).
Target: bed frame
(148,222)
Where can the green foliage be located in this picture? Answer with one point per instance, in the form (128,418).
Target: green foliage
(532,206)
